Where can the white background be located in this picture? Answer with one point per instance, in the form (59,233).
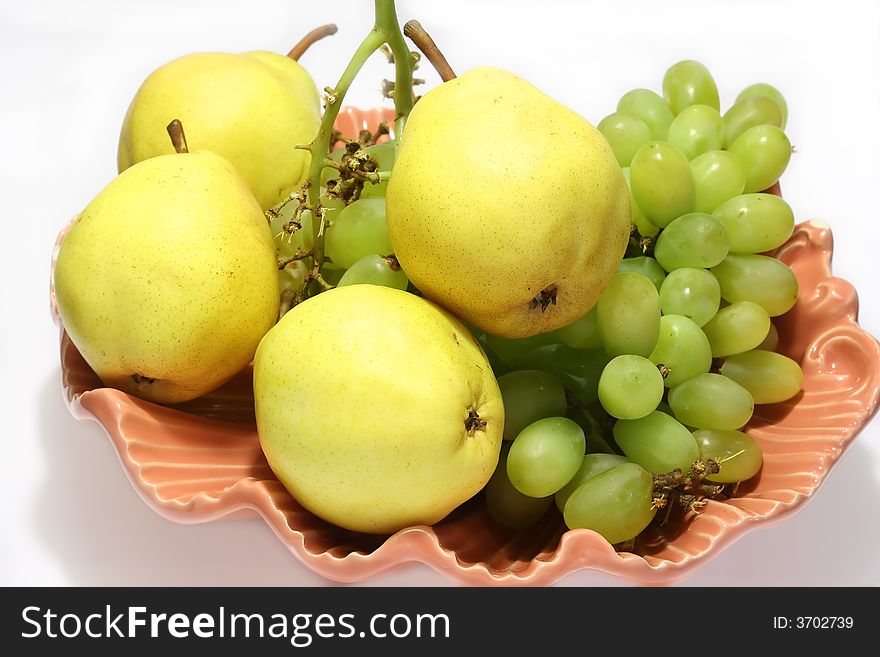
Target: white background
(69,70)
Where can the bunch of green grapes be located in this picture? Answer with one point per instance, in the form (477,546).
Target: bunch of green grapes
(356,243)
(659,379)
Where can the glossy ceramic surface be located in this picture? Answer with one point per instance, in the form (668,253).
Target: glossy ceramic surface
(202,461)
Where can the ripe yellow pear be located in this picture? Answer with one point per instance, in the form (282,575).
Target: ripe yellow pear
(376,409)
(504,206)
(252,108)
(168,279)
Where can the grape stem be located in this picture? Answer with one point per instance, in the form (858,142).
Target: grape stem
(312,37)
(414,30)
(385,30)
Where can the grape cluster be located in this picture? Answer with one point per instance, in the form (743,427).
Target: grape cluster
(648,394)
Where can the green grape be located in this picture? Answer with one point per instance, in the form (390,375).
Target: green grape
(711,401)
(771,342)
(592,465)
(637,217)
(756,222)
(617,503)
(359,230)
(506,505)
(737,454)
(736,328)
(764,152)
(545,456)
(718,176)
(662,182)
(757,278)
(650,108)
(511,351)
(697,129)
(375,270)
(645,265)
(578,369)
(749,112)
(384,154)
(657,442)
(290,240)
(682,349)
(330,173)
(769,377)
(292,276)
(689,83)
(692,292)
(529,395)
(626,134)
(771,92)
(693,240)
(583,333)
(630,387)
(628,314)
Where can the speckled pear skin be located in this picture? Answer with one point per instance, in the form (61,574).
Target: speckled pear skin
(252,108)
(167,280)
(363,396)
(499,193)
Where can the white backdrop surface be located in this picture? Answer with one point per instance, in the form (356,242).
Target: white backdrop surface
(69,70)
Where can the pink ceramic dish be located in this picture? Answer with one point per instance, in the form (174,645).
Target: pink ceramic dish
(202,460)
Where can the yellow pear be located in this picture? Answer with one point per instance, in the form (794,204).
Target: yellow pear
(252,108)
(504,206)
(376,409)
(168,279)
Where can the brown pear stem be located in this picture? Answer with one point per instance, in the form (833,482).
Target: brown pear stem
(178,138)
(414,30)
(315,35)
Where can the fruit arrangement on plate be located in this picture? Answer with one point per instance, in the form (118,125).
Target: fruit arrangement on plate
(475,330)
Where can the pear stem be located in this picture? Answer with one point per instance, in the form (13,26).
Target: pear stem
(312,37)
(178,138)
(385,30)
(414,30)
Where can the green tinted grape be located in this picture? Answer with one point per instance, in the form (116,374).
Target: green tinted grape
(662,182)
(646,266)
(692,292)
(375,270)
(650,108)
(757,278)
(510,351)
(697,129)
(592,465)
(617,503)
(506,505)
(736,328)
(771,342)
(769,377)
(718,176)
(545,456)
(682,348)
(385,155)
(693,240)
(711,401)
(330,173)
(756,222)
(689,83)
(578,369)
(630,387)
(359,230)
(749,112)
(626,134)
(637,217)
(657,442)
(583,333)
(529,395)
(290,240)
(764,152)
(737,454)
(628,314)
(771,92)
